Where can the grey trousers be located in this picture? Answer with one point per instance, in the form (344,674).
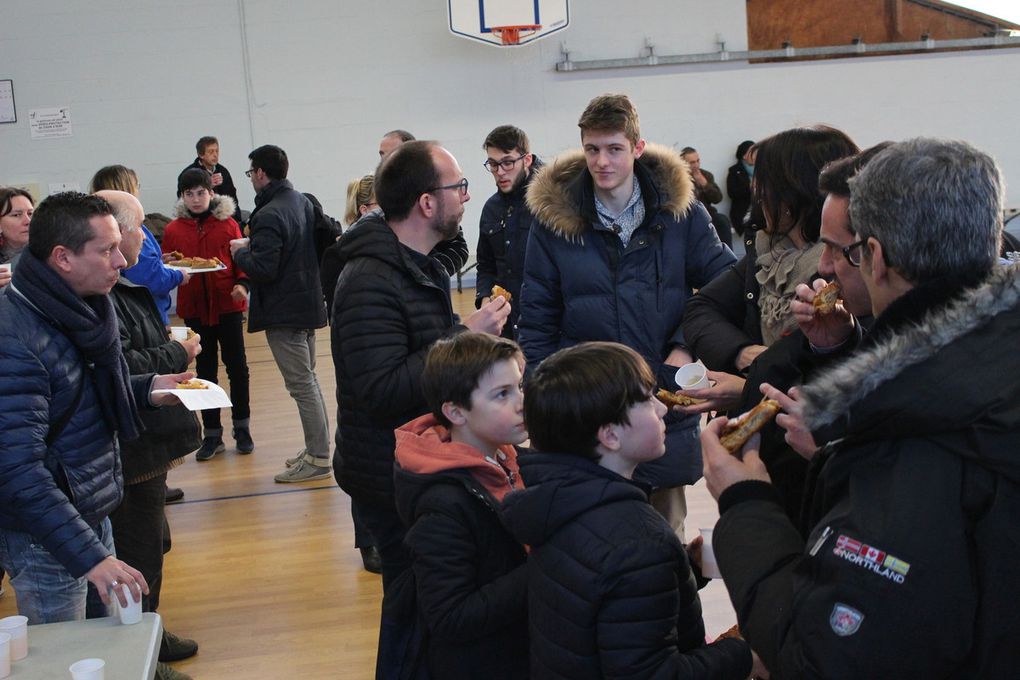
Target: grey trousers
(294,352)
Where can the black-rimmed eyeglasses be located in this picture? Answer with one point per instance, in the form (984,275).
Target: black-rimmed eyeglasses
(248,173)
(852,252)
(507,164)
(461,186)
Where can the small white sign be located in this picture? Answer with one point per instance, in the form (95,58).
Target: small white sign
(50,123)
(60,187)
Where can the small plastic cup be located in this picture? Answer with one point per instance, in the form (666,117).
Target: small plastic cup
(709,567)
(5,654)
(5,267)
(179,333)
(692,376)
(88,669)
(17,628)
(131,613)
(242,242)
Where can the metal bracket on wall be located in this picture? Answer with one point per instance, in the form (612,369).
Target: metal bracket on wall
(788,51)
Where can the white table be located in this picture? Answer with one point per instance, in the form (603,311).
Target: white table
(130,652)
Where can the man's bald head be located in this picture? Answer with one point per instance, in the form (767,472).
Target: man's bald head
(128,212)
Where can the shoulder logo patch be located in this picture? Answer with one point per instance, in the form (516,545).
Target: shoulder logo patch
(845,620)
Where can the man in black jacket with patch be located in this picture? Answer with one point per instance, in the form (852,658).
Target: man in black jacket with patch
(286,299)
(506,221)
(208,159)
(908,569)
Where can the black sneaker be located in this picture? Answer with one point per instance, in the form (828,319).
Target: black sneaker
(210,447)
(242,439)
(175,648)
(174,494)
(164,672)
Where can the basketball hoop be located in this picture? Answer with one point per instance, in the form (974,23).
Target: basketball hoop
(511,35)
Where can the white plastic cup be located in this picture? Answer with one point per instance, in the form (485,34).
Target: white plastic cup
(5,267)
(179,333)
(5,654)
(88,669)
(692,376)
(709,567)
(131,613)
(242,242)
(17,628)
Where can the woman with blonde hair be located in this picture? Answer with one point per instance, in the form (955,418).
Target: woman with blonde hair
(360,198)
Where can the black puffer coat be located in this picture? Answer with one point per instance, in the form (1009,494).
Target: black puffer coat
(386,314)
(610,591)
(281,263)
(471,576)
(171,432)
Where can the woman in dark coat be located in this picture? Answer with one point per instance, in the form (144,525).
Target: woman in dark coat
(738,185)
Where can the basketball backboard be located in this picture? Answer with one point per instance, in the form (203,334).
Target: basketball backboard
(507,23)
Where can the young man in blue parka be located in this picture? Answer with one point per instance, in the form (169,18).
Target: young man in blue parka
(618,244)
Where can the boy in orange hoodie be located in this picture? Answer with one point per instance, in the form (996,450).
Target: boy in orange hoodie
(453,468)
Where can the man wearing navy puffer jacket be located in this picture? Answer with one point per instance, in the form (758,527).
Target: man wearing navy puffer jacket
(66,395)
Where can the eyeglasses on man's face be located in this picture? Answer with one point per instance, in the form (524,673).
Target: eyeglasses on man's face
(852,252)
(249,173)
(461,186)
(507,164)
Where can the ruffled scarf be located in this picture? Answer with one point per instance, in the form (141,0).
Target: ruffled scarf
(90,323)
(781,266)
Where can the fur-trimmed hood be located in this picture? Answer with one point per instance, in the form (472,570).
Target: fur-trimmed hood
(555,195)
(956,368)
(222,207)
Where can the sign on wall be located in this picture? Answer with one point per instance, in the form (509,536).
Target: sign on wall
(8,114)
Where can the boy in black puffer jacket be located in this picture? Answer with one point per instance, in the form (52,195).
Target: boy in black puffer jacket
(610,590)
(453,468)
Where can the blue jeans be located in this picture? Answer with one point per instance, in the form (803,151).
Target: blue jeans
(294,352)
(46,592)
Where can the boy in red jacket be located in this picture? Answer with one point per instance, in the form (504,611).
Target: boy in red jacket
(213,303)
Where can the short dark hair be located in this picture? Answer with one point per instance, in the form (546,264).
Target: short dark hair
(578,390)
(404,135)
(115,178)
(688,149)
(63,220)
(507,138)
(835,176)
(786,173)
(272,160)
(404,176)
(193,177)
(454,367)
(611,113)
(935,206)
(204,143)
(742,148)
(7,195)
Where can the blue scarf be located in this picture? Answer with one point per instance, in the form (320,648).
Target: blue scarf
(90,323)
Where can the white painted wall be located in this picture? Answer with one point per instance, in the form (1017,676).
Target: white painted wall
(325,78)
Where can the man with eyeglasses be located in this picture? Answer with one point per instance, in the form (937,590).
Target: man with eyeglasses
(392,302)
(908,567)
(506,221)
(451,252)
(286,299)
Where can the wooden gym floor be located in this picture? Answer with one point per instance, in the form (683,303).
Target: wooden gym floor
(264,575)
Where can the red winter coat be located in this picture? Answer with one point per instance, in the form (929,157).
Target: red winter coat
(206,296)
